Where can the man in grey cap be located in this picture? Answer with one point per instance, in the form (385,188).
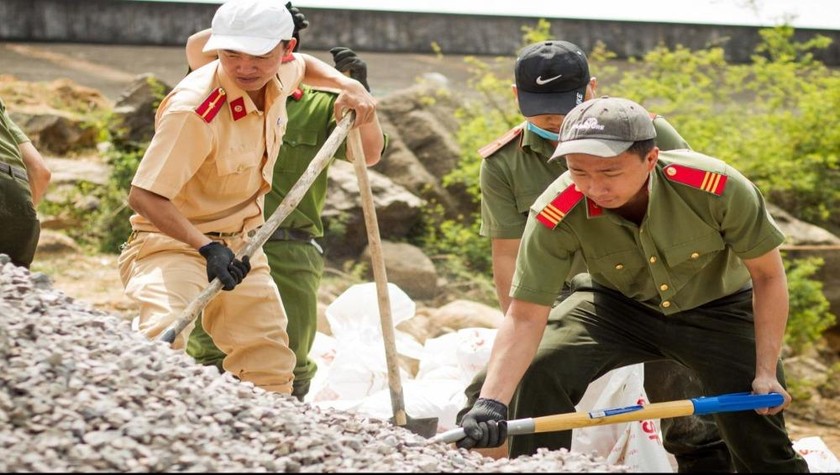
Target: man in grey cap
(691,272)
(552,77)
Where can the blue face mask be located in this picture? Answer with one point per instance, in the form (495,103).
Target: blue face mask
(543,133)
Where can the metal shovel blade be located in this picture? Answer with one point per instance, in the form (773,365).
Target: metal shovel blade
(425,427)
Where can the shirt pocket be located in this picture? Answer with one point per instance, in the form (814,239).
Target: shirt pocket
(689,257)
(620,269)
(300,144)
(236,168)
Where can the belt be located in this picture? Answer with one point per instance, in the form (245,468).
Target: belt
(283,234)
(13,171)
(214,234)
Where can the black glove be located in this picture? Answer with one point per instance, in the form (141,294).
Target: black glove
(485,425)
(347,60)
(222,263)
(299,21)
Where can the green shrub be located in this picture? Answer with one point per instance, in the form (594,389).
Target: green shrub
(776,119)
(809,315)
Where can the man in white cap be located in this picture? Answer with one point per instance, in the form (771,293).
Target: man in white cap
(199,190)
(691,273)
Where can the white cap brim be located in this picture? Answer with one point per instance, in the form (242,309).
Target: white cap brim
(254,46)
(597,147)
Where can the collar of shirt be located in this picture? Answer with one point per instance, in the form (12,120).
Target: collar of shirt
(238,97)
(537,144)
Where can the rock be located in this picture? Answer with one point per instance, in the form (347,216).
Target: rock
(54,242)
(56,133)
(460,314)
(134,111)
(408,268)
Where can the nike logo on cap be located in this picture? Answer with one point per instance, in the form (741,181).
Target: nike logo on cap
(542,81)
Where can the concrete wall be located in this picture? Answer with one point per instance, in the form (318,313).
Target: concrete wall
(154,23)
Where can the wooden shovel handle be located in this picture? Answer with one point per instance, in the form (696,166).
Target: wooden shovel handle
(289,203)
(354,146)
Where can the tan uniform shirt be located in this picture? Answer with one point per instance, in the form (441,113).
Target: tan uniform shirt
(215,162)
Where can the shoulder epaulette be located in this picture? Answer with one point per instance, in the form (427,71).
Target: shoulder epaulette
(211,106)
(711,182)
(490,148)
(556,210)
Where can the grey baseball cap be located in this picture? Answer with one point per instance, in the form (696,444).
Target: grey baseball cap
(604,127)
(551,78)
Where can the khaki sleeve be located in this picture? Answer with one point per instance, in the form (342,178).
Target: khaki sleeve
(180,146)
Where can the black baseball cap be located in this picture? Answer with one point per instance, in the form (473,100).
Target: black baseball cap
(551,77)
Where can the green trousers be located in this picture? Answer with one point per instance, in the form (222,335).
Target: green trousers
(595,330)
(21,228)
(297,268)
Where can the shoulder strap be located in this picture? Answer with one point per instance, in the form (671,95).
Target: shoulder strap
(710,182)
(211,106)
(495,145)
(556,210)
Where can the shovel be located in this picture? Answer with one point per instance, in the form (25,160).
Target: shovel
(425,427)
(289,203)
(661,410)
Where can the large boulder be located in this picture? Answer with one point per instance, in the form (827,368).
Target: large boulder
(134,111)
(397,211)
(408,268)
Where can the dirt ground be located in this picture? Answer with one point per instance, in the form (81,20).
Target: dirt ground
(110,69)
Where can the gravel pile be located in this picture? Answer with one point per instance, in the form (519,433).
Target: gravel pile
(82,392)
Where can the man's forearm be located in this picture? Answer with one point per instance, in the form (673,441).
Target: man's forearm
(166,217)
(36,171)
(770,303)
(514,348)
(321,74)
(372,141)
(504,253)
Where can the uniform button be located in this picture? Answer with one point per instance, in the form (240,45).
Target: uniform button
(664,287)
(619,266)
(666,304)
(239,169)
(653,259)
(695,255)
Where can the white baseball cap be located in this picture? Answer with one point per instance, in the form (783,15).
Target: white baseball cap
(252,27)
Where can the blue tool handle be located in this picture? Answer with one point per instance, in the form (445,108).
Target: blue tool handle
(736,402)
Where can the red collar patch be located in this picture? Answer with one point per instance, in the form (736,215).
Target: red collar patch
(238,109)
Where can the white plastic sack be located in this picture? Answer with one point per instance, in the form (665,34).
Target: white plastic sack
(819,458)
(638,445)
(356,311)
(351,363)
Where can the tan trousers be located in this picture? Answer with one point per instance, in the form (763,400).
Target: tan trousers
(248,323)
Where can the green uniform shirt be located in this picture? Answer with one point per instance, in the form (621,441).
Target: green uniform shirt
(10,137)
(686,252)
(310,122)
(517,173)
